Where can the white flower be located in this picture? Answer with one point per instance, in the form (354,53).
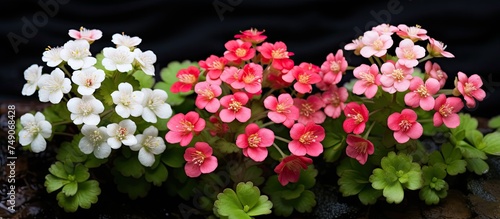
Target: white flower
(146,60)
(125,40)
(53,86)
(77,54)
(148,145)
(88,79)
(52,56)
(95,140)
(32,75)
(128,102)
(122,132)
(35,130)
(154,104)
(120,58)
(85,110)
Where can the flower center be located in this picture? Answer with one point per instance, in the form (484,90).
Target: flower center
(121,133)
(358,118)
(86,108)
(151,142)
(235,105)
(422,91)
(254,140)
(198,158)
(248,78)
(308,138)
(125,100)
(53,85)
(367,77)
(445,110)
(304,78)
(306,109)
(283,108)
(33,128)
(334,66)
(153,102)
(408,53)
(398,75)
(279,54)
(240,52)
(186,126)
(208,94)
(405,125)
(378,44)
(468,88)
(187,78)
(96,137)
(89,82)
(217,65)
(361,147)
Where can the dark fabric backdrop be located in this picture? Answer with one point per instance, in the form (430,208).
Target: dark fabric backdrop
(193,30)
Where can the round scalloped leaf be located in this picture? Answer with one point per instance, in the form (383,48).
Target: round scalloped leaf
(491,143)
(53,183)
(157,175)
(248,194)
(394,193)
(57,169)
(86,195)
(173,156)
(129,167)
(134,187)
(70,189)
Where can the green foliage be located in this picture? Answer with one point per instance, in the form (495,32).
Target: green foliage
(355,180)
(334,142)
(434,186)
(245,202)
(450,158)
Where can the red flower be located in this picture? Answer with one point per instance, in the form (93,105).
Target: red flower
(289,168)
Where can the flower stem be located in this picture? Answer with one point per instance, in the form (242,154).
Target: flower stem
(61,123)
(446,91)
(64,134)
(267,124)
(424,120)
(367,133)
(425,58)
(61,66)
(282,139)
(279,150)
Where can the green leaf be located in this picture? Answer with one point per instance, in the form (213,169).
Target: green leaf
(134,187)
(469,151)
(494,122)
(81,173)
(248,194)
(53,183)
(129,167)
(57,169)
(394,193)
(227,202)
(174,156)
(369,195)
(476,165)
(174,99)
(414,179)
(428,195)
(157,175)
(262,207)
(491,143)
(293,193)
(306,202)
(456,167)
(145,81)
(70,189)
(86,195)
(281,206)
(308,177)
(351,182)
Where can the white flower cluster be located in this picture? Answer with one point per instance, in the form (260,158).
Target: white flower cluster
(85,108)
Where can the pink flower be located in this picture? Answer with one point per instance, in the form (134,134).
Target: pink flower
(334,67)
(310,109)
(356,117)
(421,94)
(368,80)
(282,109)
(187,78)
(85,34)
(276,53)
(356,45)
(183,127)
(359,148)
(414,33)
(289,168)
(199,159)
(470,88)
(385,29)
(248,78)
(252,35)
(405,125)
(304,77)
(234,107)
(306,139)
(433,70)
(436,49)
(238,50)
(408,53)
(255,141)
(395,77)
(217,127)
(214,65)
(375,44)
(446,111)
(334,100)
(207,96)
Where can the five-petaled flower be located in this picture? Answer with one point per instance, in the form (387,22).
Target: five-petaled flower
(182,128)
(368,80)
(405,125)
(282,109)
(289,168)
(255,141)
(207,96)
(306,139)
(334,67)
(88,80)
(85,110)
(128,102)
(90,35)
(359,148)
(199,159)
(119,58)
(77,54)
(148,144)
(95,140)
(35,129)
(446,111)
(238,50)
(154,105)
(121,133)
(32,74)
(421,94)
(356,117)
(53,87)
(188,77)
(470,88)
(234,107)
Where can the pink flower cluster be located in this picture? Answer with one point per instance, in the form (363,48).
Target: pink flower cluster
(255,85)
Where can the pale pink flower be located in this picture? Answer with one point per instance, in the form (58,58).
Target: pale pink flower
(359,148)
(405,125)
(214,66)
(334,100)
(375,44)
(433,70)
(188,77)
(436,49)
(408,53)
(207,96)
(248,78)
(356,45)
(255,141)
(470,88)
(251,35)
(395,77)
(356,117)
(238,50)
(281,109)
(85,34)
(182,128)
(304,77)
(414,33)
(289,168)
(446,111)
(385,29)
(199,159)
(421,93)
(310,109)
(276,53)
(334,67)
(234,107)
(368,80)
(306,139)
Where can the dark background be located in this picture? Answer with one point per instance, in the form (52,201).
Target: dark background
(193,30)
